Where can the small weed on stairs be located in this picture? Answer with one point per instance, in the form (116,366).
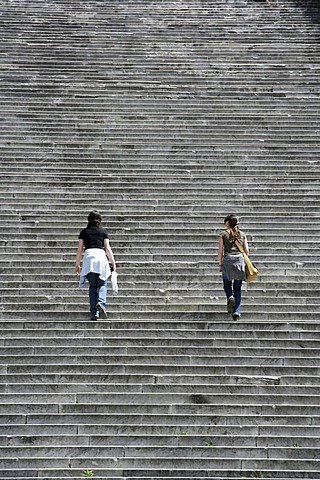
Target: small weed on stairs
(88,473)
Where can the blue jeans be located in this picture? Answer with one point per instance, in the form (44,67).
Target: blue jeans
(235,291)
(97,291)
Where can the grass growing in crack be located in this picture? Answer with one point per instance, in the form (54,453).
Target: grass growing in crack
(88,473)
(257,474)
(210,443)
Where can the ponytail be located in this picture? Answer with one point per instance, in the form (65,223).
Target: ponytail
(234,226)
(235,231)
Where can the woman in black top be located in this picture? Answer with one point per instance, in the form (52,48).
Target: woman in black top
(95,267)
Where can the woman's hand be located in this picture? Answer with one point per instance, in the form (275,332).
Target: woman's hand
(79,255)
(109,254)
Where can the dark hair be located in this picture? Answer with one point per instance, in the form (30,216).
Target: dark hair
(94,219)
(232,219)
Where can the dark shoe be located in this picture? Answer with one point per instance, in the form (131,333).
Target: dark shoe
(94,317)
(230,304)
(236,316)
(102,311)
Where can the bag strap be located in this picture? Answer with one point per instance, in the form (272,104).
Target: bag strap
(238,244)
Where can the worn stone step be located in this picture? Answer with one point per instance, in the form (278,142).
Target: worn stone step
(170,279)
(192,458)
(227,347)
(253,418)
(161,309)
(111,474)
(203,329)
(92,411)
(233,395)
(159,249)
(124,453)
(127,319)
(288,357)
(191,291)
(130,302)
(137,431)
(82,386)
(14,338)
(159,440)
(158,369)
(78,334)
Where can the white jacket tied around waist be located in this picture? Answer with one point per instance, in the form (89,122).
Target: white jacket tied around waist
(94,260)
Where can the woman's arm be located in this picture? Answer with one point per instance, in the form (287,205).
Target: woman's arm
(220,253)
(79,256)
(109,253)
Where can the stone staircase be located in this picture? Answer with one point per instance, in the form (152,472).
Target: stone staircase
(165,116)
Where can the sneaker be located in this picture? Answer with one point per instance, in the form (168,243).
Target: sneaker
(236,316)
(94,317)
(102,311)
(230,304)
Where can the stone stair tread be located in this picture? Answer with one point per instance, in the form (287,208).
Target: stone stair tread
(228,348)
(77,387)
(159,440)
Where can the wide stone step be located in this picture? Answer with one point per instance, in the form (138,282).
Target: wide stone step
(254,441)
(14,338)
(128,318)
(175,401)
(159,185)
(176,271)
(155,172)
(235,459)
(136,430)
(130,315)
(158,245)
(187,329)
(65,261)
(186,178)
(192,238)
(198,474)
(202,329)
(193,216)
(181,474)
(27,213)
(246,416)
(292,130)
(261,198)
(227,347)
(85,387)
(74,384)
(195,468)
(161,297)
(158,369)
(136,451)
(245,356)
